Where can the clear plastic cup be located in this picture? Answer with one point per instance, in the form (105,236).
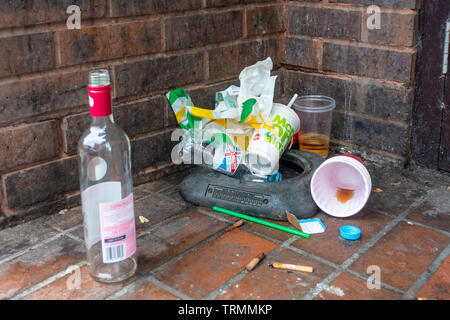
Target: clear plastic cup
(315,113)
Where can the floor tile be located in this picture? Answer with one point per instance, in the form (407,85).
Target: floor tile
(438,287)
(21,237)
(267,283)
(39,264)
(435,211)
(146,291)
(349,287)
(173,237)
(403,254)
(331,246)
(212,265)
(70,287)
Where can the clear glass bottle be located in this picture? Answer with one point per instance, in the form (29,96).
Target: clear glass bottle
(106,189)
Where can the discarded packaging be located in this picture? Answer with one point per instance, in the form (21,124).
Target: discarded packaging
(245,130)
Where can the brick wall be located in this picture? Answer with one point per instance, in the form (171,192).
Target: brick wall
(329,49)
(155,45)
(148,46)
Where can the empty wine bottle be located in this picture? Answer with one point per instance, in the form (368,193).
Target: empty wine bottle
(106,189)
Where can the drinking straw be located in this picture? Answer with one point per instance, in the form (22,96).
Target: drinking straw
(292,100)
(263,222)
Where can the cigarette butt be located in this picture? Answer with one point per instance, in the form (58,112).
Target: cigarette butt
(237,224)
(293,267)
(252,264)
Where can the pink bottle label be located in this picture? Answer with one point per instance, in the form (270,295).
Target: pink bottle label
(118,230)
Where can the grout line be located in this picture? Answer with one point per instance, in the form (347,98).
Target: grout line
(47,281)
(343,267)
(113,62)
(334,265)
(382,284)
(313,256)
(42,243)
(124,290)
(411,293)
(409,221)
(167,288)
(234,280)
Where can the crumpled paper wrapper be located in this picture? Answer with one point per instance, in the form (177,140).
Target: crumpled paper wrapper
(244,107)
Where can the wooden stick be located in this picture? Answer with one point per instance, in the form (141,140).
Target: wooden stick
(237,224)
(252,264)
(293,267)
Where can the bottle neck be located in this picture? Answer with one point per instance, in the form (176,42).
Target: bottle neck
(102,121)
(100,101)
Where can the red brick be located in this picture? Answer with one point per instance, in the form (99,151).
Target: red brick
(30,12)
(302,51)
(229,61)
(89,289)
(344,23)
(109,42)
(25,54)
(151,150)
(47,94)
(38,264)
(407,4)
(371,133)
(331,246)
(438,287)
(174,237)
(202,29)
(159,73)
(397,29)
(146,291)
(403,254)
(134,118)
(41,182)
(221,259)
(372,97)
(368,61)
(274,284)
(27,143)
(221,3)
(264,20)
(350,287)
(140,7)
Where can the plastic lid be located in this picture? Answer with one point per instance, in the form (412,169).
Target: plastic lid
(350,232)
(314,104)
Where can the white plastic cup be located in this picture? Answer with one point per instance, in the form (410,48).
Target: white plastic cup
(341,172)
(264,150)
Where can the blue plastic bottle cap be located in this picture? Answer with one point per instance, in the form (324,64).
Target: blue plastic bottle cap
(350,232)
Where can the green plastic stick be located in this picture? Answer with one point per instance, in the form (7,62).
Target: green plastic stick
(263,222)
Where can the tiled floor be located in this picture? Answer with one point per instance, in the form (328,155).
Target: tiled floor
(185,252)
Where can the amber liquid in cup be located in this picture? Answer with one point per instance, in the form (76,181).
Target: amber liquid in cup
(315,113)
(316,143)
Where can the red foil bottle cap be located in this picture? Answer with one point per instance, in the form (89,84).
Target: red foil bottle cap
(100,101)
